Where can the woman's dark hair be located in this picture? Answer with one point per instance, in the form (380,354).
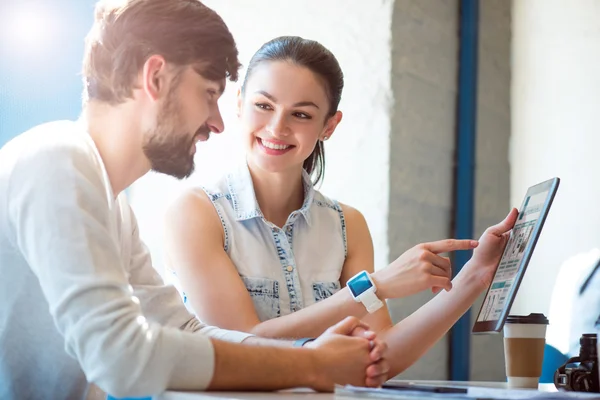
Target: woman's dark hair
(314,56)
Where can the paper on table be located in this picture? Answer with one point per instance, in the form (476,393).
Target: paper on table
(473,393)
(354,392)
(516,394)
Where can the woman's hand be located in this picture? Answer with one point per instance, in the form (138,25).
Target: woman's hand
(491,247)
(419,268)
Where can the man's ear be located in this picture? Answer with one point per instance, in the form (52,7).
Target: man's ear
(155,77)
(331,124)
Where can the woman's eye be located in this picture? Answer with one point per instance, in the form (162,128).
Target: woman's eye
(302,115)
(263,106)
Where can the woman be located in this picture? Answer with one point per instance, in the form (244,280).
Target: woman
(264,252)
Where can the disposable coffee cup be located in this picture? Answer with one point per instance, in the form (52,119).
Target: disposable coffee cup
(524,341)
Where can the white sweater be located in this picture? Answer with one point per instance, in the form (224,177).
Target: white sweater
(79,299)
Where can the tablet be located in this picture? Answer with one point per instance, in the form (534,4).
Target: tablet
(523,238)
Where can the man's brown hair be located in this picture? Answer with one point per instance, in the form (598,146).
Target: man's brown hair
(127,32)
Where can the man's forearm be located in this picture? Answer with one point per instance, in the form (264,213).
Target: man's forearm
(194,325)
(259,341)
(240,367)
(415,335)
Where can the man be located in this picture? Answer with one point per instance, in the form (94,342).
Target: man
(80,301)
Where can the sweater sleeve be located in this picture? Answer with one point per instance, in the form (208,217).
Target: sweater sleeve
(160,302)
(63,223)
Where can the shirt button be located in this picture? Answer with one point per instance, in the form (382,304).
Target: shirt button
(290,268)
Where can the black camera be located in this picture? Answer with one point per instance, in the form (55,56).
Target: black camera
(580,374)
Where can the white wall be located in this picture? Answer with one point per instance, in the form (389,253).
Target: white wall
(556,131)
(359,34)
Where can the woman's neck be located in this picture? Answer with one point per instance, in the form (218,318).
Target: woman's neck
(278,193)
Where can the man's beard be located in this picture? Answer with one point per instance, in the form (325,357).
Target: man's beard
(169,152)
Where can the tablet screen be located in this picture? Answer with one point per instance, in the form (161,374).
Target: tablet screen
(516,256)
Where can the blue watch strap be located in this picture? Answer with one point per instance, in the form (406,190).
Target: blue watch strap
(302,342)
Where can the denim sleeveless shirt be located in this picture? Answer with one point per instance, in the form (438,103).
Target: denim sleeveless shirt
(284,269)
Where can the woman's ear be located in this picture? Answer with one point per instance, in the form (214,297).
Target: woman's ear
(330,125)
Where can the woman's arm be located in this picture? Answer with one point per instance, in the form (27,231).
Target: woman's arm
(194,246)
(360,257)
(415,335)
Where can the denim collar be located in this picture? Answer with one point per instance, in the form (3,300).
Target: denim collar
(244,200)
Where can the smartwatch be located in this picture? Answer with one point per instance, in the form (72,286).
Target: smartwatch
(363,290)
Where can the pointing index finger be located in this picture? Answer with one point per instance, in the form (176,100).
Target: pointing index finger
(443,246)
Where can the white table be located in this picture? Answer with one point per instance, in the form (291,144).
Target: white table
(299,394)
(305,394)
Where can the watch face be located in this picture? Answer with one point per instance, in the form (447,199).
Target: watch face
(359,284)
